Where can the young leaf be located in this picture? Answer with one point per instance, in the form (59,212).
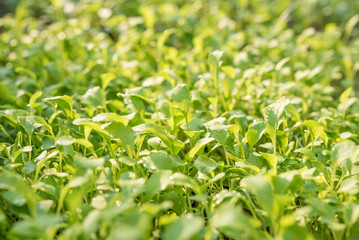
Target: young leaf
(161,161)
(181,93)
(92,163)
(172,143)
(65,102)
(157,182)
(186,227)
(271,159)
(30,123)
(275,110)
(199,145)
(343,151)
(14,198)
(315,129)
(291,110)
(254,133)
(307,152)
(124,133)
(65,140)
(5,94)
(180,179)
(233,222)
(215,63)
(205,164)
(345,95)
(106,78)
(262,190)
(34,97)
(272,114)
(110,116)
(94,97)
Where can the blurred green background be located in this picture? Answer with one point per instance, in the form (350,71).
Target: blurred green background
(64,42)
(8,6)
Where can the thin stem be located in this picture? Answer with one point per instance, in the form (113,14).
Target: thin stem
(31,149)
(225,153)
(275,145)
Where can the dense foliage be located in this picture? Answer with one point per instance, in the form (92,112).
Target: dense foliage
(203,119)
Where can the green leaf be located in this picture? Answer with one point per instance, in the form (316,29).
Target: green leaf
(220,135)
(26,149)
(106,78)
(271,124)
(345,95)
(15,183)
(234,223)
(351,213)
(27,229)
(315,128)
(199,145)
(322,169)
(93,126)
(217,124)
(193,134)
(38,227)
(79,180)
(65,140)
(223,195)
(173,144)
(180,179)
(5,94)
(205,164)
(292,230)
(34,97)
(343,151)
(94,97)
(47,143)
(272,115)
(85,143)
(282,140)
(349,186)
(214,60)
(124,133)
(291,110)
(99,202)
(158,182)
(30,123)
(262,190)
(273,112)
(161,161)
(138,99)
(325,138)
(218,130)
(216,178)
(350,26)
(14,198)
(29,167)
(326,213)
(148,15)
(256,160)
(65,103)
(92,163)
(255,132)
(184,228)
(271,159)
(28,72)
(181,93)
(111,117)
(307,152)
(281,63)
(164,36)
